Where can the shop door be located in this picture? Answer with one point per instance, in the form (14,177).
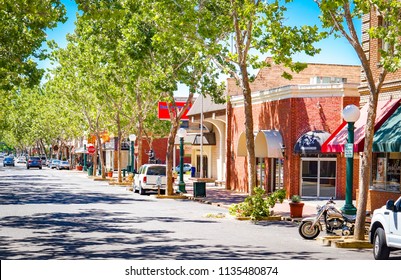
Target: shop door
(318,177)
(204,165)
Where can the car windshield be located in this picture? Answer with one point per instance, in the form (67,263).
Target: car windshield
(64,162)
(34,158)
(157,170)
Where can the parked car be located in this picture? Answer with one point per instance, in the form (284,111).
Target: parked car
(63,164)
(385,229)
(150,177)
(53,163)
(8,161)
(44,160)
(34,162)
(187,167)
(21,159)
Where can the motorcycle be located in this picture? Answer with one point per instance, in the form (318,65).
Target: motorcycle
(328,217)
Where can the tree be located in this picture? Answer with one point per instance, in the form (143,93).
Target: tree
(256,27)
(339,16)
(23,24)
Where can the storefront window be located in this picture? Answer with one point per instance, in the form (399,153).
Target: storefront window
(386,171)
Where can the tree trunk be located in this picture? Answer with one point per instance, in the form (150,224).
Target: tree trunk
(169,158)
(249,133)
(119,133)
(94,160)
(366,168)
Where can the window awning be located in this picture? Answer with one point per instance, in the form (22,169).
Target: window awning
(81,150)
(209,139)
(268,144)
(311,142)
(388,137)
(336,142)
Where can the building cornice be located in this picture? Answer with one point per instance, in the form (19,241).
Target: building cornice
(299,91)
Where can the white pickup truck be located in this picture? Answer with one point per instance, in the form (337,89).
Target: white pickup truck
(385,229)
(150,177)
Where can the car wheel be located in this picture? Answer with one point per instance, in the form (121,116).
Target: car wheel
(141,190)
(380,249)
(27,167)
(40,167)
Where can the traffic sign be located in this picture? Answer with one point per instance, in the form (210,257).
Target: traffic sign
(91,150)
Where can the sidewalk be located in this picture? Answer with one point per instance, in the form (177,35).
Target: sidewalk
(221,197)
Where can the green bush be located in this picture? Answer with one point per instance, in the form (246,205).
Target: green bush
(257,206)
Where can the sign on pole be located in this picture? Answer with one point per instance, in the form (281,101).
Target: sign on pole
(91,150)
(349,150)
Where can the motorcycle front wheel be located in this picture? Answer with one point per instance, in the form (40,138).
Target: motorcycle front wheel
(307,231)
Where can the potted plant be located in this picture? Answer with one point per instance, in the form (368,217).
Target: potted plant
(79,167)
(296,207)
(110,173)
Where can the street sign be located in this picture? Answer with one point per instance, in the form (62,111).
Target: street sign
(91,150)
(349,150)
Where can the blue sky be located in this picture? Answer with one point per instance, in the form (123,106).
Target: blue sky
(300,12)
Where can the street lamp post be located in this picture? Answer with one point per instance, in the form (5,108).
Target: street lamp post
(132,138)
(85,168)
(181,185)
(351,114)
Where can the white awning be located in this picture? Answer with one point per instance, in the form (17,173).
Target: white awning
(268,144)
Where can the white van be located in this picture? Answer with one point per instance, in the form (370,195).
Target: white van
(150,177)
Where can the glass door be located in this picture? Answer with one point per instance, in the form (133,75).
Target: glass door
(318,177)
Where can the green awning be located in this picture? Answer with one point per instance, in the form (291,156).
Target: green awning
(388,137)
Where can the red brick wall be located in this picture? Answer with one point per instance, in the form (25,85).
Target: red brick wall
(271,77)
(160,149)
(372,50)
(292,117)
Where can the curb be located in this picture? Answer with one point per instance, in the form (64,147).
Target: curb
(344,242)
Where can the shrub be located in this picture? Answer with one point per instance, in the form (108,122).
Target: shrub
(257,206)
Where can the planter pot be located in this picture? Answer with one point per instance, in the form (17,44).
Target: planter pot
(80,167)
(296,209)
(109,174)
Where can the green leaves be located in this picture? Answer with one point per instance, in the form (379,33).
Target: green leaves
(22,32)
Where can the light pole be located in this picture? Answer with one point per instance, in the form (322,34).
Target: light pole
(181,185)
(132,138)
(85,168)
(351,114)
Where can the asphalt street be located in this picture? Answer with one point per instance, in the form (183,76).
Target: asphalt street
(64,215)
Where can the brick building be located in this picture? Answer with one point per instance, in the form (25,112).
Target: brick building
(292,119)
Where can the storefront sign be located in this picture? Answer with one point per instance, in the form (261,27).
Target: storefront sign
(163,113)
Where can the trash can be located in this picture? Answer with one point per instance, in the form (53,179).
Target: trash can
(90,171)
(193,170)
(199,189)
